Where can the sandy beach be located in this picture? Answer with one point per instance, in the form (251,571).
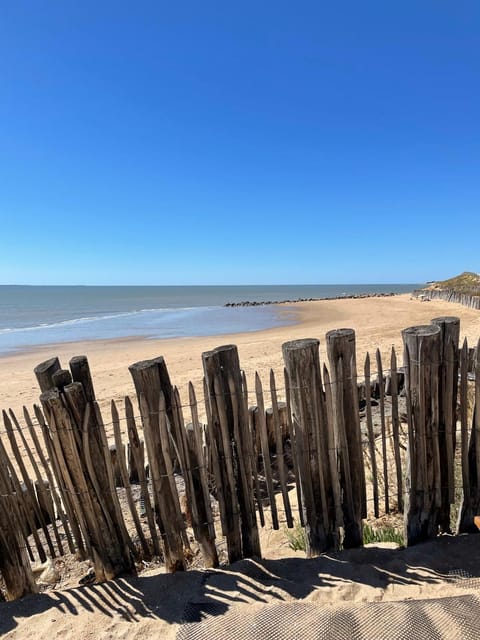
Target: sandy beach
(378,323)
(154,605)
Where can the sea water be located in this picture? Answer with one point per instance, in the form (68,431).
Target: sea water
(37,315)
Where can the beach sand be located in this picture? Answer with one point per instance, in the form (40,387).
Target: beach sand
(153,605)
(378,323)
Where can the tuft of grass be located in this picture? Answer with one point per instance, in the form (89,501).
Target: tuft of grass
(296,537)
(382,534)
(297,542)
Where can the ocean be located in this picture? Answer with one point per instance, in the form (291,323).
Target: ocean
(37,315)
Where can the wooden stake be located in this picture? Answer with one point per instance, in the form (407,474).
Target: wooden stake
(381,388)
(396,428)
(310,436)
(282,471)
(124,473)
(449,337)
(261,424)
(341,355)
(150,378)
(371,436)
(293,447)
(41,489)
(138,454)
(201,503)
(421,505)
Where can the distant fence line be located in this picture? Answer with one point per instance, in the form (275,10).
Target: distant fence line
(450,296)
(169,474)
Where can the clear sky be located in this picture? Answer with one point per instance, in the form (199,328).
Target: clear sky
(239,142)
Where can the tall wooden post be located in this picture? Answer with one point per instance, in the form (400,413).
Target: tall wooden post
(306,399)
(84,464)
(75,437)
(229,429)
(449,337)
(154,392)
(423,483)
(343,371)
(470,506)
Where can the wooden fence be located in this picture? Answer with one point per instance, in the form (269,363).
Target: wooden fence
(466,299)
(324,447)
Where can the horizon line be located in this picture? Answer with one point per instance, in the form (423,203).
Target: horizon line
(264,284)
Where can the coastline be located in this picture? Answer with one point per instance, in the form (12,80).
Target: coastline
(378,323)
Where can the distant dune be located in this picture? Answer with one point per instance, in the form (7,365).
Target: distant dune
(467,283)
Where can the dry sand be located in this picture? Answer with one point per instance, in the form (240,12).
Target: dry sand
(403,588)
(377,321)
(153,605)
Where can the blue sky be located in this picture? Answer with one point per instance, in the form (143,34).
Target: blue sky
(250,142)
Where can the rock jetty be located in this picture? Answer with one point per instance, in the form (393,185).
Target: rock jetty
(257,303)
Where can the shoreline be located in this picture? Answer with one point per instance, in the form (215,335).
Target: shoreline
(282,315)
(291,311)
(377,322)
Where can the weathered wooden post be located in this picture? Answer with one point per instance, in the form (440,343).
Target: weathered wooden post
(449,337)
(44,373)
(137,450)
(67,495)
(381,402)
(81,373)
(470,506)
(343,371)
(188,448)
(423,483)
(36,516)
(201,501)
(371,435)
(52,492)
(115,456)
(229,430)
(76,439)
(306,399)
(261,429)
(14,563)
(153,387)
(396,427)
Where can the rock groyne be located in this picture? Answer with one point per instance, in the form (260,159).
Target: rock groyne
(255,303)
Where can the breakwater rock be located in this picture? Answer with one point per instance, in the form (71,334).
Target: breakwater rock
(256,303)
